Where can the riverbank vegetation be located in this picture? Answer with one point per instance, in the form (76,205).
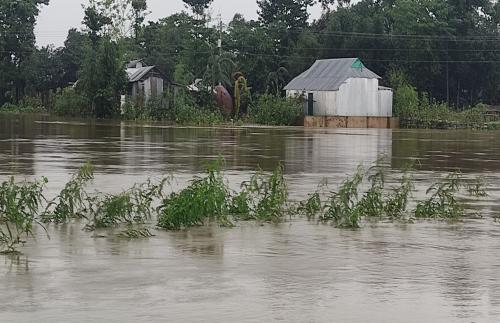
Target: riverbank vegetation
(449,58)
(418,110)
(208,200)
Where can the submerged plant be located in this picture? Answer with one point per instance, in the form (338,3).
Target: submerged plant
(313,206)
(71,203)
(134,206)
(267,196)
(205,199)
(144,195)
(132,233)
(19,206)
(342,207)
(396,203)
(443,202)
(372,202)
(110,211)
(477,188)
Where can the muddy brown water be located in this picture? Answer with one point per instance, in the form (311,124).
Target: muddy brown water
(292,272)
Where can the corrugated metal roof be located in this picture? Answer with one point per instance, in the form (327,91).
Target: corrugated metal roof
(330,74)
(133,64)
(135,74)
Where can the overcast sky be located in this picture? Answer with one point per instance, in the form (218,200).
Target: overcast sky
(60,15)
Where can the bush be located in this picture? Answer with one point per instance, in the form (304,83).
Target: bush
(70,103)
(406,102)
(419,111)
(189,114)
(274,110)
(26,105)
(181,109)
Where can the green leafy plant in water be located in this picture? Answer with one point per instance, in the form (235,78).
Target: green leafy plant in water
(396,204)
(342,207)
(205,199)
(267,196)
(443,202)
(111,210)
(71,203)
(144,195)
(372,202)
(240,204)
(19,207)
(313,206)
(134,206)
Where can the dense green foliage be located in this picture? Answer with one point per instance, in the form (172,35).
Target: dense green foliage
(274,110)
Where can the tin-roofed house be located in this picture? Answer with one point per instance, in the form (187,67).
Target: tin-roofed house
(343,88)
(145,80)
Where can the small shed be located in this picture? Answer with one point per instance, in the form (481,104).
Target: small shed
(146,80)
(342,87)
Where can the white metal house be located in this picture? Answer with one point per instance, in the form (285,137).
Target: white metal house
(342,87)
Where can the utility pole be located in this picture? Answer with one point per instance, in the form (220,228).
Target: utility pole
(219,44)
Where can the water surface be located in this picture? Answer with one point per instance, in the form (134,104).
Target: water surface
(292,272)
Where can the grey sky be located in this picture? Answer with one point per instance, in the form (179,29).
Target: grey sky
(60,15)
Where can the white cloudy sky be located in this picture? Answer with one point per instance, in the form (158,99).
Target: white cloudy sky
(55,19)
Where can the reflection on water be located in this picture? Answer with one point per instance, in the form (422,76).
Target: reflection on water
(292,272)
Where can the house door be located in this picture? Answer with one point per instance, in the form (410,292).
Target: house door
(310,104)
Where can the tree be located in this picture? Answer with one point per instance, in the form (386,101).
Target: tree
(446,48)
(198,6)
(95,21)
(288,13)
(17,43)
(76,45)
(253,49)
(125,16)
(219,70)
(139,9)
(179,38)
(103,77)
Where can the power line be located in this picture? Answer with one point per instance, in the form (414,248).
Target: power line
(402,36)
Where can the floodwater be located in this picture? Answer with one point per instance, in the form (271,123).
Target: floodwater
(292,272)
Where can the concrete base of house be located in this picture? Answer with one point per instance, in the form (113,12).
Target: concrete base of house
(351,122)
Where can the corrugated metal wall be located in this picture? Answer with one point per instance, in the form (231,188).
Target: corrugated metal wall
(385,99)
(357,97)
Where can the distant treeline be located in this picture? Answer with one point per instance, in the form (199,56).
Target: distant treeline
(448,49)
